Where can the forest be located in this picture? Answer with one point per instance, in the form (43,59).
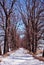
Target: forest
(21,25)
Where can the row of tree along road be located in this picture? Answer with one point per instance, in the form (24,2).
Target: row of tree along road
(31,12)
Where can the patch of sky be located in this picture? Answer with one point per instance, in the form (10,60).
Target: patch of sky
(8,4)
(21,26)
(21,36)
(42,0)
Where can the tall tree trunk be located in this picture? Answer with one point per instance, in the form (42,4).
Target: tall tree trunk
(5,39)
(7,36)
(29,40)
(0,50)
(43,53)
(32,42)
(6,47)
(35,43)
(35,38)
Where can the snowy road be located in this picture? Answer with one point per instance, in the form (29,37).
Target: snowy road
(20,57)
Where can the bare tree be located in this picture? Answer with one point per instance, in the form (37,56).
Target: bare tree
(31,15)
(7,13)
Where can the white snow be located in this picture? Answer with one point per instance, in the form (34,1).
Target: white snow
(20,57)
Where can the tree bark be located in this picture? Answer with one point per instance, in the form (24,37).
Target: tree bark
(29,40)
(0,50)
(43,53)
(7,36)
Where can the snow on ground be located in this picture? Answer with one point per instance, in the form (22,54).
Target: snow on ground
(20,57)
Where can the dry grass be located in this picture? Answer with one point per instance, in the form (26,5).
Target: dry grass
(8,53)
(37,57)
(39,52)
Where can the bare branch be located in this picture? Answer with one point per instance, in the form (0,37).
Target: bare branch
(2,5)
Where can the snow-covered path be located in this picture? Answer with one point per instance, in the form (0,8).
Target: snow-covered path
(20,57)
